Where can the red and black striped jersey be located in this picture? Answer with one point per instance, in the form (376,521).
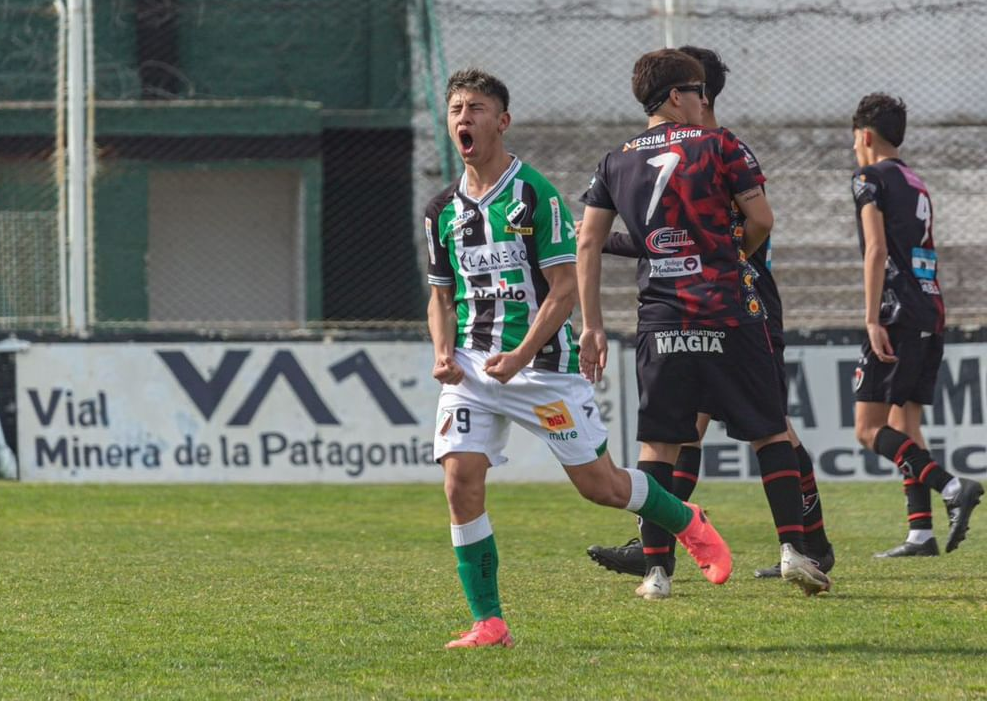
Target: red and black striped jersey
(673,186)
(911,296)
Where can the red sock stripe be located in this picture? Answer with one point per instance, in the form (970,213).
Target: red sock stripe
(778,475)
(657,551)
(908,481)
(809,479)
(790,529)
(916,517)
(926,470)
(901,451)
(814,526)
(685,475)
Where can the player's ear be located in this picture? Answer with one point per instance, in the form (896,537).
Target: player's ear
(868,138)
(504,122)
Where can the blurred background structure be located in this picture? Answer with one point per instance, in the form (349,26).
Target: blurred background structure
(260,167)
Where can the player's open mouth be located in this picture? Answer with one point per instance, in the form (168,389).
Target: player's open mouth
(466,141)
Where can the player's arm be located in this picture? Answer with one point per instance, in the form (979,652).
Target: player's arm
(552,314)
(759,218)
(589,248)
(442,328)
(618,243)
(875,259)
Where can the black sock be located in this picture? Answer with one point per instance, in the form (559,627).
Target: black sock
(656,540)
(781,480)
(913,461)
(812,513)
(686,472)
(918,498)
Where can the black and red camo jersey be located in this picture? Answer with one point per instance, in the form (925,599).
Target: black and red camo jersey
(911,294)
(673,186)
(764,281)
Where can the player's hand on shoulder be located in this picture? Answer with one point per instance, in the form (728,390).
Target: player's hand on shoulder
(880,343)
(503,366)
(447,370)
(592,354)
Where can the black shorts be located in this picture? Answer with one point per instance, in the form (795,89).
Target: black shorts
(729,373)
(911,379)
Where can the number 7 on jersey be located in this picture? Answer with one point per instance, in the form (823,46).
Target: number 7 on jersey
(665,163)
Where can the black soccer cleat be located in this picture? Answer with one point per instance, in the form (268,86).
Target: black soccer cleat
(625,559)
(929,548)
(959,509)
(824,562)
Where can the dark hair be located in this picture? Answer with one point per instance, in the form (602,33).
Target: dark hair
(475,80)
(883,114)
(716,71)
(657,72)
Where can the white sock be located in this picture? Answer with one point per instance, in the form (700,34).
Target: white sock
(472,532)
(639,489)
(951,489)
(919,535)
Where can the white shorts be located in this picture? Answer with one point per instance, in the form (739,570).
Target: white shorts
(475,415)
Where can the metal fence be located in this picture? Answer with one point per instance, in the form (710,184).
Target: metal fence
(262,166)
(797,70)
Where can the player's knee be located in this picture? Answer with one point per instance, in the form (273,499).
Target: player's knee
(865,435)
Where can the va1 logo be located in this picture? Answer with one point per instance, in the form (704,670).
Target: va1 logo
(207,393)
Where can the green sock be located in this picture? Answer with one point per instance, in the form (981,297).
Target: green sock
(478,573)
(664,508)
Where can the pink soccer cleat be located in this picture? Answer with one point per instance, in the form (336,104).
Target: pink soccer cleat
(486,633)
(707,548)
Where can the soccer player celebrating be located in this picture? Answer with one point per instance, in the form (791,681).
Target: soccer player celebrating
(702,342)
(904,315)
(681,481)
(502,257)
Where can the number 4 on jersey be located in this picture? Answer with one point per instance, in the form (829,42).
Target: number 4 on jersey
(665,163)
(923,212)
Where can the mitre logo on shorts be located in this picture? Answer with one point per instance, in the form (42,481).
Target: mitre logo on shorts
(554,417)
(858,379)
(668,240)
(676,267)
(694,341)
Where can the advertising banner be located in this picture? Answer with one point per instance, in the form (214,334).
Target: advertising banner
(228,412)
(820,405)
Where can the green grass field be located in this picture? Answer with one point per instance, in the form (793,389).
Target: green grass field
(321,592)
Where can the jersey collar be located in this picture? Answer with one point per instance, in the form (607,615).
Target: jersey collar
(507,176)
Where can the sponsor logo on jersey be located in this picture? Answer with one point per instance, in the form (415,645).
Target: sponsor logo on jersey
(553,202)
(467,216)
(428,237)
(502,291)
(554,417)
(644,143)
(929,287)
(668,240)
(685,134)
(492,259)
(519,230)
(676,267)
(515,212)
(694,341)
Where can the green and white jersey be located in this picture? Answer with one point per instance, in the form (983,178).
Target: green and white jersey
(493,251)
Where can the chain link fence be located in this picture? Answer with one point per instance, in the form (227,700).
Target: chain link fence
(797,72)
(261,167)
